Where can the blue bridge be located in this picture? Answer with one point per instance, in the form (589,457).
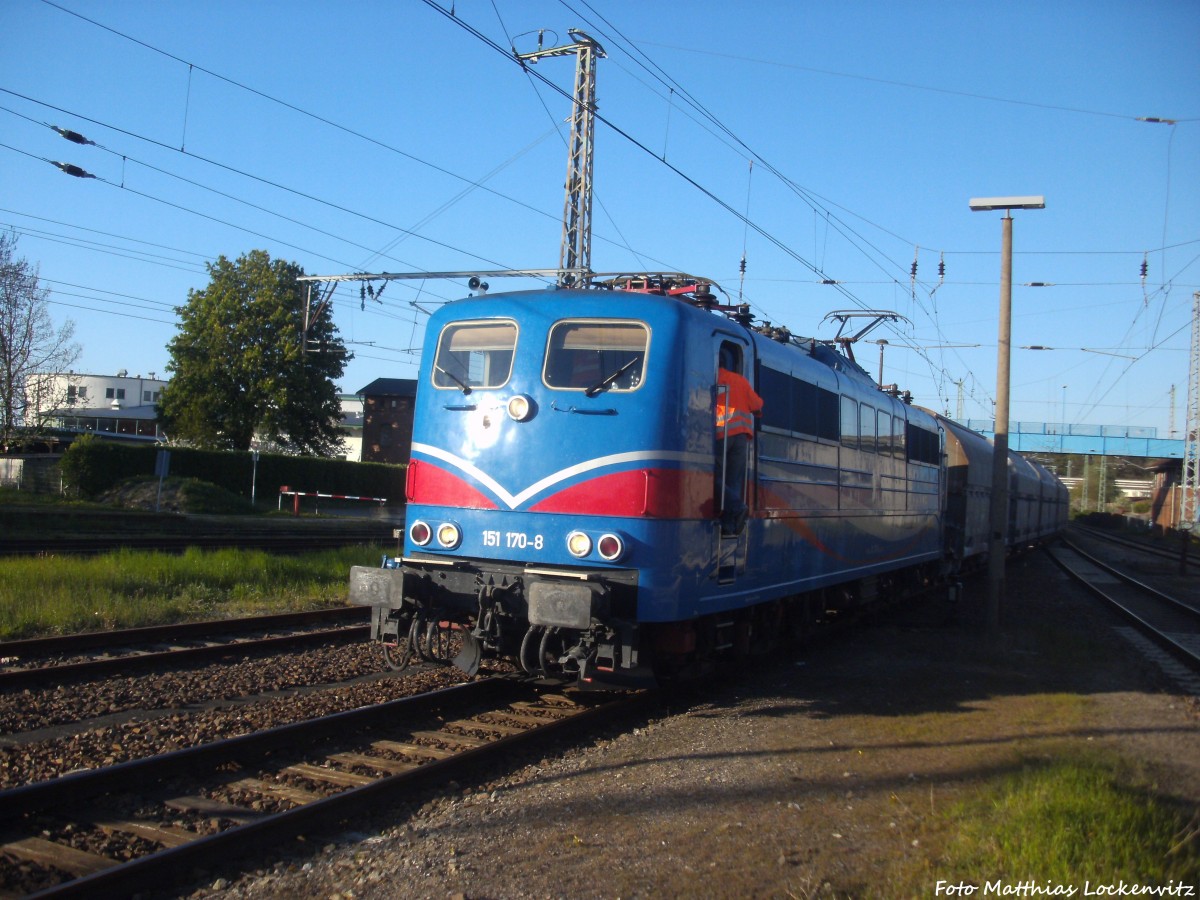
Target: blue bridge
(1094,440)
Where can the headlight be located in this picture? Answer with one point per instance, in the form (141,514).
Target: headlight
(610,547)
(579,544)
(519,408)
(448,535)
(419,533)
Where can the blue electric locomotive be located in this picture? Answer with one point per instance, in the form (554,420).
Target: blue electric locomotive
(566,484)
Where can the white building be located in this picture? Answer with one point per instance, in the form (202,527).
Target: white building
(125,405)
(352,425)
(120,404)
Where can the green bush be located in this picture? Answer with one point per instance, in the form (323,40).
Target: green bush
(92,466)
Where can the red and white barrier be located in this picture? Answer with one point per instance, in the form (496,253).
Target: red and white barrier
(296,495)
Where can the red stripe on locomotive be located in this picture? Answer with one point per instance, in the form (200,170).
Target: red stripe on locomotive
(650,493)
(434,485)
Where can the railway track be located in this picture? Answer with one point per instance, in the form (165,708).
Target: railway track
(1171,623)
(1151,550)
(146,823)
(39,661)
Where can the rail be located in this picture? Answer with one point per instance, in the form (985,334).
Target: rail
(1169,622)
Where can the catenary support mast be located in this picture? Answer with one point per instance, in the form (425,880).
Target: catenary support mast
(1191,448)
(575,260)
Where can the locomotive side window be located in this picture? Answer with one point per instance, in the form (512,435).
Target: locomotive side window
(849,422)
(797,406)
(474,355)
(826,407)
(594,356)
(923,445)
(898,425)
(866,427)
(885,433)
(776,390)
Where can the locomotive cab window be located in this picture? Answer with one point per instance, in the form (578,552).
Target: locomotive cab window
(474,355)
(594,356)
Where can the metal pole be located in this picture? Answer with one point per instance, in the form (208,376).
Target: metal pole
(1062,433)
(253,476)
(998,520)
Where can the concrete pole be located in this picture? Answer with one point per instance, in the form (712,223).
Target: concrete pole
(998,520)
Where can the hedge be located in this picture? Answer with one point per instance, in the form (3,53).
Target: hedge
(92,466)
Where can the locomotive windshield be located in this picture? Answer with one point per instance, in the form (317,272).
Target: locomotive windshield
(474,355)
(596,355)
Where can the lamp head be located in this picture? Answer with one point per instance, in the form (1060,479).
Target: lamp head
(981,204)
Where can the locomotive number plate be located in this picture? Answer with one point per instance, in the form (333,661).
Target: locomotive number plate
(513,540)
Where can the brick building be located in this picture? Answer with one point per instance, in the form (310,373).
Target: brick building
(388,419)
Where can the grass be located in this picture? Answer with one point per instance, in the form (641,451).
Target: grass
(10,496)
(130,588)
(1071,821)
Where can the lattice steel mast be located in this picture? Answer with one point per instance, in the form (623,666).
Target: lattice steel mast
(1191,453)
(575,259)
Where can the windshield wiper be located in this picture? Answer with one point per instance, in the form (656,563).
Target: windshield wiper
(466,388)
(608,380)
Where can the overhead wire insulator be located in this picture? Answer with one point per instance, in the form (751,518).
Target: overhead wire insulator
(941,273)
(745,232)
(1145,271)
(72,169)
(73,136)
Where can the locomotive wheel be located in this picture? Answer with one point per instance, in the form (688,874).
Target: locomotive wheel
(426,641)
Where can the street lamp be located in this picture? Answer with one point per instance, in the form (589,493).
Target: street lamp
(998,518)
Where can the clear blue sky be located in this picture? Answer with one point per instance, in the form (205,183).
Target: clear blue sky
(384,136)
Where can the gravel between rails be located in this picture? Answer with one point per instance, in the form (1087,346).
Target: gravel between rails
(46,733)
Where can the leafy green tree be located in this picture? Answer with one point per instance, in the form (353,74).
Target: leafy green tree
(242,367)
(32,351)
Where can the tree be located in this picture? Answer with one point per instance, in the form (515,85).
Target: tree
(32,353)
(242,368)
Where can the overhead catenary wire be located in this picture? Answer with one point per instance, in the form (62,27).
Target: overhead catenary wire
(237,171)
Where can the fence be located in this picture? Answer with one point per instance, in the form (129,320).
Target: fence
(36,473)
